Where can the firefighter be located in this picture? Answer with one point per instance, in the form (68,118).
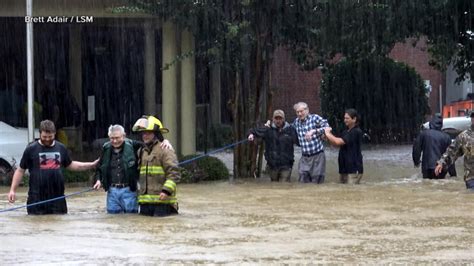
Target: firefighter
(159,171)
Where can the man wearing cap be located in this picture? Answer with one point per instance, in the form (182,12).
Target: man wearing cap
(310,131)
(279,140)
(158,169)
(462,145)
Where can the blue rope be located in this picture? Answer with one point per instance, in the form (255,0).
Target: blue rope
(46,201)
(90,189)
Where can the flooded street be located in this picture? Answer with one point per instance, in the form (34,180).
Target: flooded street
(392,217)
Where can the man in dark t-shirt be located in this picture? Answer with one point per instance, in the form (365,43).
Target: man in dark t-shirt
(44,159)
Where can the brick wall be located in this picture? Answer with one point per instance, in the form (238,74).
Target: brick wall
(291,84)
(418,57)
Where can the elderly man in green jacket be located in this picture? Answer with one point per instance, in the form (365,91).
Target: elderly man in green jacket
(118,171)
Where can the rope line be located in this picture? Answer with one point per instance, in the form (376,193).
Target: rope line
(90,189)
(46,201)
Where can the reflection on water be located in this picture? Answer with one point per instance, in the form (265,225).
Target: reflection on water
(393,217)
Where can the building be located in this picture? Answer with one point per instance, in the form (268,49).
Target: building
(94,67)
(287,77)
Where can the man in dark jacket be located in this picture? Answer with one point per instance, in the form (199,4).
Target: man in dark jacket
(279,140)
(432,143)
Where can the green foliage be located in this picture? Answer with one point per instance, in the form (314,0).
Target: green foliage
(389,96)
(26,181)
(76,177)
(241,36)
(317,30)
(69,177)
(203,169)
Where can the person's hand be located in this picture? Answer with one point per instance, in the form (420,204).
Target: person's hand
(97,185)
(251,137)
(163,196)
(438,169)
(11,196)
(95,163)
(327,130)
(268,123)
(166,145)
(309,135)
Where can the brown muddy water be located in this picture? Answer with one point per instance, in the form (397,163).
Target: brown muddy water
(392,217)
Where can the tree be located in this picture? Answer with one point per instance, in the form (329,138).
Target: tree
(390,96)
(363,29)
(242,35)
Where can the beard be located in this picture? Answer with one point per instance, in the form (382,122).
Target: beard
(47,143)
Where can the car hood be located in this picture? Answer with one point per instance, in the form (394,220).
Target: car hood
(13,142)
(459,123)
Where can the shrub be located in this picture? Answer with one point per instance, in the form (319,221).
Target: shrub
(73,176)
(203,169)
(69,177)
(389,96)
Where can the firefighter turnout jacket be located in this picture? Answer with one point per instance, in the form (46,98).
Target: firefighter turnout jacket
(158,173)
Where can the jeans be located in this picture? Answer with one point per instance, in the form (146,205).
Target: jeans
(121,200)
(470,184)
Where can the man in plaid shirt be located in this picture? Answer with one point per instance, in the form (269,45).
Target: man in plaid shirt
(310,131)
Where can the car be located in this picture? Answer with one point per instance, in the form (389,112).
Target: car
(13,142)
(453,125)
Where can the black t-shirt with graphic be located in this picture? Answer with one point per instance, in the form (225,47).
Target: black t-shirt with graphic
(46,180)
(350,155)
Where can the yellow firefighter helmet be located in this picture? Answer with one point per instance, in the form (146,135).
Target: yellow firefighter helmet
(149,123)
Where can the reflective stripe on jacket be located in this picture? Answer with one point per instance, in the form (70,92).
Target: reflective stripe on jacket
(155,199)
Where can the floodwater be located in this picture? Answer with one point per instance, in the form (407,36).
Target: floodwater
(393,217)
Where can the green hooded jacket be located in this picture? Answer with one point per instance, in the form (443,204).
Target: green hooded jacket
(129,163)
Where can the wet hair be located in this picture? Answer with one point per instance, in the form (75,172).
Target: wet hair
(300,104)
(115,128)
(47,126)
(353,114)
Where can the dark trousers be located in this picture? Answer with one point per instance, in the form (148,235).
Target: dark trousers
(157,210)
(429,174)
(54,207)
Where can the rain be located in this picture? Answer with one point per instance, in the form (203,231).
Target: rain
(211,71)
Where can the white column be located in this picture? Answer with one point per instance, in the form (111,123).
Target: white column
(170,83)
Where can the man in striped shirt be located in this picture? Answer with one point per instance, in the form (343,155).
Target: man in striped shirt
(310,131)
